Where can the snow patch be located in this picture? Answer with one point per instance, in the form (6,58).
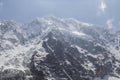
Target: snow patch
(78,33)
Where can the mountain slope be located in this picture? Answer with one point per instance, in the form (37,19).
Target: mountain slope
(50,48)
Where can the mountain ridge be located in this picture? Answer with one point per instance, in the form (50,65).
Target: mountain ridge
(76,48)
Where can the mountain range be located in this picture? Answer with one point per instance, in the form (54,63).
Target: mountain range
(51,48)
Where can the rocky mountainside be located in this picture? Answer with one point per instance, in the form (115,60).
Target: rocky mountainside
(51,48)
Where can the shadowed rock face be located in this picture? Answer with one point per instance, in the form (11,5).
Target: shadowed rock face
(65,62)
(12,74)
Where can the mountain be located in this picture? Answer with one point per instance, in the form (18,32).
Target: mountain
(51,48)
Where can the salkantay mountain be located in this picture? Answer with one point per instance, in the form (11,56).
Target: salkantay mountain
(51,48)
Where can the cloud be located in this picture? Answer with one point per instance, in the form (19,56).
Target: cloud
(103,6)
(110,23)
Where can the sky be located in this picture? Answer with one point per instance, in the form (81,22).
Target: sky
(100,12)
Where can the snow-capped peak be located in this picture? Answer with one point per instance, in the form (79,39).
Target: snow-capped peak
(58,48)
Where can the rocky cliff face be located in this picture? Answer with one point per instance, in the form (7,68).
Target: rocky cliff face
(57,49)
